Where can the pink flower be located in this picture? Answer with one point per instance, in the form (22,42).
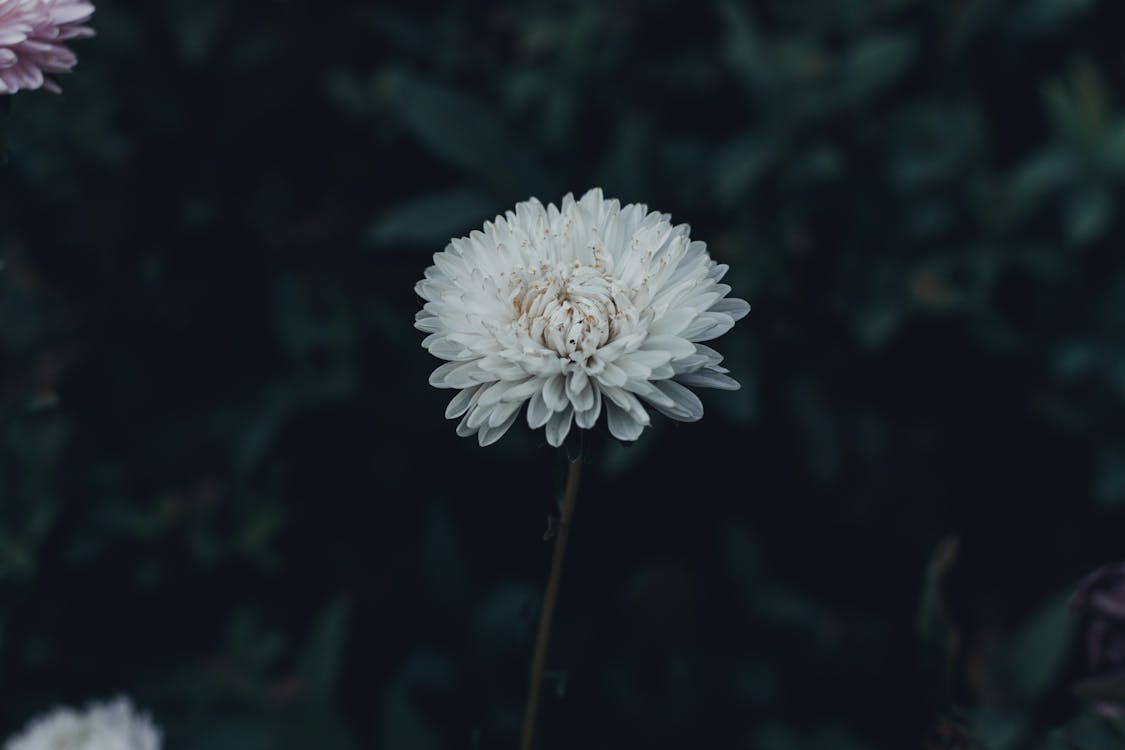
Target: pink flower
(32,41)
(1100,598)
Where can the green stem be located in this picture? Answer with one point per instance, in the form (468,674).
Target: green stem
(539,662)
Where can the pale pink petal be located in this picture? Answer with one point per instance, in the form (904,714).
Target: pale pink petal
(32,37)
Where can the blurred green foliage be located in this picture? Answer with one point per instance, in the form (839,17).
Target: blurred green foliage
(226,488)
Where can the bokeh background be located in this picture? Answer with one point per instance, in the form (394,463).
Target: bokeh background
(227,490)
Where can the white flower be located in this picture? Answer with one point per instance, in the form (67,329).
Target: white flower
(573,310)
(102,726)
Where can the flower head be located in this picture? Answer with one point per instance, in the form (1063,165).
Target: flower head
(575,310)
(1100,598)
(102,726)
(33,36)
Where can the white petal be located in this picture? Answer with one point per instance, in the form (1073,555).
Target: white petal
(612,375)
(650,393)
(687,406)
(463,429)
(618,396)
(587,418)
(441,347)
(737,309)
(713,357)
(689,364)
(709,325)
(423,321)
(675,345)
(579,390)
(718,271)
(622,425)
(461,375)
(502,413)
(554,393)
(437,377)
(576,382)
(492,394)
(490,434)
(461,403)
(537,411)
(558,426)
(673,321)
(524,390)
(477,416)
(634,368)
(500,368)
(708,379)
(650,358)
(627,402)
(614,349)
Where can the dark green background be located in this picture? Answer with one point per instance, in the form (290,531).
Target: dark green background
(227,490)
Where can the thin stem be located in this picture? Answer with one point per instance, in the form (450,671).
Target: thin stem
(547,616)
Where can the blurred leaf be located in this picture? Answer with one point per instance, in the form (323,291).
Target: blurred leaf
(1031,659)
(934,144)
(431,220)
(799,61)
(250,647)
(875,63)
(505,618)
(685,157)
(742,49)
(1078,359)
(739,164)
(1088,213)
(349,91)
(929,218)
(998,730)
(815,164)
(199,32)
(1109,482)
(1077,106)
(1089,731)
(1041,174)
(1047,15)
(1111,149)
(462,131)
(876,323)
(407,718)
(937,637)
(320,663)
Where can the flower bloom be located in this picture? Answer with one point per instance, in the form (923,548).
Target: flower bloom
(575,310)
(33,34)
(102,726)
(1101,600)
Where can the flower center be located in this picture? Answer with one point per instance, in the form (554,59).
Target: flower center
(573,310)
